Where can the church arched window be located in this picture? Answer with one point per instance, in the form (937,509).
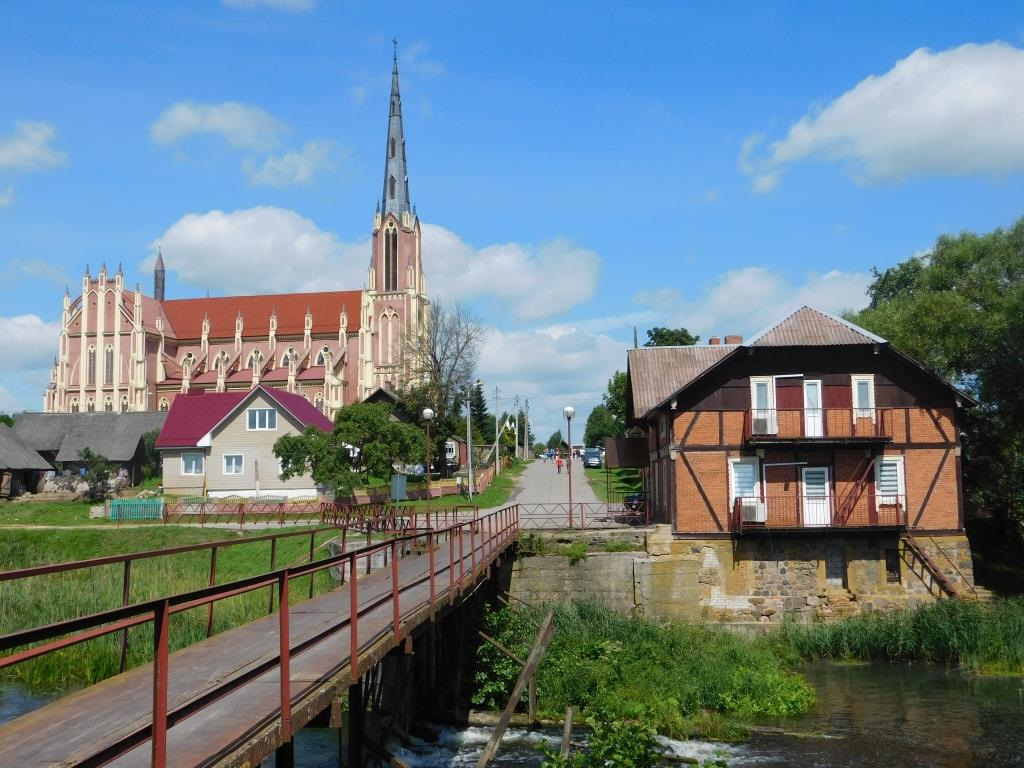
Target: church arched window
(74,405)
(90,366)
(108,365)
(391,259)
(392,153)
(124,403)
(391,188)
(108,405)
(163,404)
(90,405)
(318,401)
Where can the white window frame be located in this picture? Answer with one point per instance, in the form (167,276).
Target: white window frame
(771,414)
(901,479)
(202,464)
(241,463)
(756,513)
(860,411)
(252,419)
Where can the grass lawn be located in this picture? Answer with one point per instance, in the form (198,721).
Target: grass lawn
(496,495)
(48,513)
(617,481)
(44,599)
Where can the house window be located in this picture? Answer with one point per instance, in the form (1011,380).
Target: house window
(892,566)
(863,397)
(192,464)
(762,405)
(234,464)
(889,485)
(108,365)
(262,419)
(745,490)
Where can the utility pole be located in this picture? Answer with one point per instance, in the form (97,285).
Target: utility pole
(469,439)
(497,433)
(516,417)
(526,429)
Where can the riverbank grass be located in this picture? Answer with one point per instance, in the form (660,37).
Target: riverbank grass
(979,637)
(685,679)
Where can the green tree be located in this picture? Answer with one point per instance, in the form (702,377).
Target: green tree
(670,337)
(97,474)
(365,438)
(960,311)
(538,449)
(6,418)
(600,424)
(151,458)
(483,422)
(555,441)
(614,400)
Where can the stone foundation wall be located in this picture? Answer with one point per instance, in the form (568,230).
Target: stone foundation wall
(751,580)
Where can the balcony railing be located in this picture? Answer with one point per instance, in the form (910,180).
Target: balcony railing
(817,423)
(789,511)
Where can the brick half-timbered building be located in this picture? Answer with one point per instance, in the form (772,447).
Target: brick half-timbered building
(813,469)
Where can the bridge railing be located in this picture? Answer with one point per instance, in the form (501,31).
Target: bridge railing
(561,516)
(488,535)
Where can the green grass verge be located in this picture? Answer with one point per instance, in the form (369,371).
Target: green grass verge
(45,599)
(987,638)
(47,513)
(684,679)
(617,481)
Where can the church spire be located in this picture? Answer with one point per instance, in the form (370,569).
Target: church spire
(396,178)
(159,276)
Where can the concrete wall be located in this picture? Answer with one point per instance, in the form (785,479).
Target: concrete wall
(753,580)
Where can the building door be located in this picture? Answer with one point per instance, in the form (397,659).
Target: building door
(835,565)
(762,400)
(816,497)
(814,416)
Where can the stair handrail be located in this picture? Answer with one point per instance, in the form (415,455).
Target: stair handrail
(949,560)
(849,501)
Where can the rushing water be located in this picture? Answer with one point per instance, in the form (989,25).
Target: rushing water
(867,715)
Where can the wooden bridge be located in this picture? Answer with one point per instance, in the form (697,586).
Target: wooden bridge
(236,697)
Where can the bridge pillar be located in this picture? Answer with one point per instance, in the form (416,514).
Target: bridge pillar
(284,756)
(356,715)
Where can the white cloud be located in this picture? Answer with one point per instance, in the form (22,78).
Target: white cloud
(27,343)
(357,95)
(743,301)
(954,112)
(415,57)
(260,250)
(533,281)
(28,147)
(243,126)
(292,6)
(554,366)
(293,167)
(41,269)
(7,197)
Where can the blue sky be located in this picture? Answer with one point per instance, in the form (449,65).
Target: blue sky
(582,168)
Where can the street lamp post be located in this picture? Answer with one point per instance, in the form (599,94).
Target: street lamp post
(428,416)
(569,412)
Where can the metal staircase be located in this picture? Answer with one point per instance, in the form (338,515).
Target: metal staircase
(848,502)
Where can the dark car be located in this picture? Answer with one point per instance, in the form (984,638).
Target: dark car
(592,458)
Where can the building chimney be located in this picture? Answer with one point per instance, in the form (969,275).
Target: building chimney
(714,341)
(733,339)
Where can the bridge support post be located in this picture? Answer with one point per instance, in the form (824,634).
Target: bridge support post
(284,756)
(356,714)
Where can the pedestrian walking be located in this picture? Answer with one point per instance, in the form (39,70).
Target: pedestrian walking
(558,464)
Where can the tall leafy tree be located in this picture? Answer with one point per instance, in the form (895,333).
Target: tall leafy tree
(960,311)
(483,422)
(365,439)
(614,401)
(600,424)
(670,337)
(555,441)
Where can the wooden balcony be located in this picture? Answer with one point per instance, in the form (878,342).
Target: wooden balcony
(793,512)
(786,426)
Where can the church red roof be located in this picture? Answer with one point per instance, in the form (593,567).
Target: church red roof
(194,414)
(186,315)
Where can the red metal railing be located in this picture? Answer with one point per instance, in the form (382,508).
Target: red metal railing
(817,423)
(489,535)
(794,511)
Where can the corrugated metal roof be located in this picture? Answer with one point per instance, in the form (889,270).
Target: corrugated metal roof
(808,327)
(15,455)
(114,436)
(656,373)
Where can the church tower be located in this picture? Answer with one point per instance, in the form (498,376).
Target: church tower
(394,305)
(159,275)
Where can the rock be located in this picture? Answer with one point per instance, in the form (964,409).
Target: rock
(811,600)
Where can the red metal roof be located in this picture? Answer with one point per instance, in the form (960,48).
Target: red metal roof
(194,414)
(186,315)
(807,327)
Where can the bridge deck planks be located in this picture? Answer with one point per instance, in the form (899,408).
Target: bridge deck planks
(73,728)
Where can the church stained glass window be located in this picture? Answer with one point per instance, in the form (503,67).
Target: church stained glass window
(391,259)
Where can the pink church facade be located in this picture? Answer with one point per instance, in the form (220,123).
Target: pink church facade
(120,350)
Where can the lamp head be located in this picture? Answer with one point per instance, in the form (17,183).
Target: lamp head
(568,412)
(428,414)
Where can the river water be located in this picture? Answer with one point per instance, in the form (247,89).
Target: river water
(867,715)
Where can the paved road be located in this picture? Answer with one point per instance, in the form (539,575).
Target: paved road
(541,483)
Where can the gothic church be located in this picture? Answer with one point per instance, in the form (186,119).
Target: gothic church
(120,350)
